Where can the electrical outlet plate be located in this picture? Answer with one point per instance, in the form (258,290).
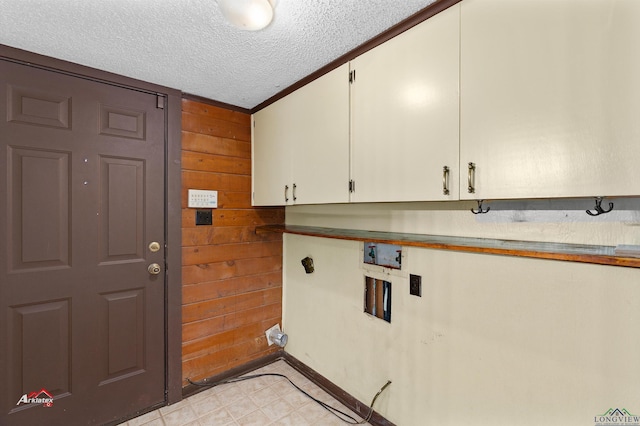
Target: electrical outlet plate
(201,199)
(415,285)
(268,333)
(204,217)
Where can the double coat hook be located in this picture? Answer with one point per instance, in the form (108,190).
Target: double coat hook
(480,211)
(598,208)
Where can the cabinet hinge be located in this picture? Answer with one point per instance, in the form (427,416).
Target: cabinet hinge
(352,185)
(352,76)
(159,101)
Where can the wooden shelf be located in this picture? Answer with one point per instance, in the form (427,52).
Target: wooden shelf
(601,255)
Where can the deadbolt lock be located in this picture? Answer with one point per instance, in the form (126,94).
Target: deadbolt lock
(154,269)
(154,247)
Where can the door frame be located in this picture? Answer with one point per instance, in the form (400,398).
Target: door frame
(173,198)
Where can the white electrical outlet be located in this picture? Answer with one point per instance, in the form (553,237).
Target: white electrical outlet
(201,199)
(268,333)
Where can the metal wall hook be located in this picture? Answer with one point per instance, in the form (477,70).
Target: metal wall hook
(480,211)
(599,209)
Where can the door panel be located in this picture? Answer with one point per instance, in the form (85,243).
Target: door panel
(122,208)
(32,365)
(84,193)
(38,106)
(121,122)
(125,343)
(38,183)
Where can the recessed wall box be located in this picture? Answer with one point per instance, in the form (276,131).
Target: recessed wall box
(377,298)
(387,255)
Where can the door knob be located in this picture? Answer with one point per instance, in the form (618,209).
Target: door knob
(154,269)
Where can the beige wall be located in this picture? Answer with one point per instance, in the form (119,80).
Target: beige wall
(493,339)
(563,221)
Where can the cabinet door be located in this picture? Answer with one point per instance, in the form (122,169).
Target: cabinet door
(318,129)
(405,126)
(550,97)
(271,156)
(301,145)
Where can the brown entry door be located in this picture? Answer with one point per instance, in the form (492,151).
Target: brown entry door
(81,200)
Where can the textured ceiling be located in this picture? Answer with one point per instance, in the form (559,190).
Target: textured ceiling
(187,44)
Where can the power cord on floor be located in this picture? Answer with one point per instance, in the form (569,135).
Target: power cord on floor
(345,417)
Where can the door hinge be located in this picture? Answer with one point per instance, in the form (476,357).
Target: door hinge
(159,101)
(352,185)
(352,76)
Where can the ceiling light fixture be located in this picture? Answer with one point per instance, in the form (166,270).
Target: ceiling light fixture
(251,15)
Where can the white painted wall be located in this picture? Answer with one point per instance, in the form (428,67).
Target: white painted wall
(553,220)
(493,340)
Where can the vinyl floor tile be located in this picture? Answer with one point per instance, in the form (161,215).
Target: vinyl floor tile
(262,401)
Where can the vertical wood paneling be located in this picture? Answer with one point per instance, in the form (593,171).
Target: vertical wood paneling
(231,277)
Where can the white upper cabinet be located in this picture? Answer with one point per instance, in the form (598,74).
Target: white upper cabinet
(550,98)
(320,120)
(405,109)
(301,145)
(271,155)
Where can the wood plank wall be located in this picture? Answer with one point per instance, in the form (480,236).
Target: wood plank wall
(231,277)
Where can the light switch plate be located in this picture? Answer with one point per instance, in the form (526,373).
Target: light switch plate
(202,199)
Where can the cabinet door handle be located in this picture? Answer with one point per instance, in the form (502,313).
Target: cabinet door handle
(286,193)
(445,180)
(471,178)
(294,192)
